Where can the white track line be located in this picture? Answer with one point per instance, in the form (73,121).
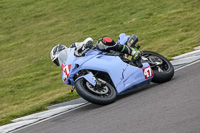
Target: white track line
(45,119)
(188,65)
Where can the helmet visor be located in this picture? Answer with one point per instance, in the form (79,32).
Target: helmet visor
(56,62)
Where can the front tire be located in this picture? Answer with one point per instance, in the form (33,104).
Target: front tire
(163,72)
(102,96)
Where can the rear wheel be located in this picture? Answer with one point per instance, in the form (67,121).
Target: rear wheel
(103,93)
(162,68)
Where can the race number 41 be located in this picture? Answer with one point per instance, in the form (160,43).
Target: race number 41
(66,71)
(147,72)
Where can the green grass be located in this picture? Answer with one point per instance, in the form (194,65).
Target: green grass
(29,29)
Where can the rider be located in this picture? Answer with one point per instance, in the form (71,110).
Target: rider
(128,47)
(60,52)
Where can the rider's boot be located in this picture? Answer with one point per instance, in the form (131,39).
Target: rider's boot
(136,57)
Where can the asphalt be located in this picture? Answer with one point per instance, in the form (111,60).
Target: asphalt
(26,123)
(171,107)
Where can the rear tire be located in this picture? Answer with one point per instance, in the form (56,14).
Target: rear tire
(102,99)
(165,71)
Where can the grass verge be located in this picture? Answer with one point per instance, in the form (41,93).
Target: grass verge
(29,81)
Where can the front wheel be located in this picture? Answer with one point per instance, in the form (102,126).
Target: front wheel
(162,68)
(101,94)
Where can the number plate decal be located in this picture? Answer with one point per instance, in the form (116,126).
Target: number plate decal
(66,71)
(147,72)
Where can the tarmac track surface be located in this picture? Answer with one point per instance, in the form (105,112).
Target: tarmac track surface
(171,107)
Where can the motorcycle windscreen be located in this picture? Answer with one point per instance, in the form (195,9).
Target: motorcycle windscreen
(63,56)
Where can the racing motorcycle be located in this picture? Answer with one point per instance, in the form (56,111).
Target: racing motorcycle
(99,77)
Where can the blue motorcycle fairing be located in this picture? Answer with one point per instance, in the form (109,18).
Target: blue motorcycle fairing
(89,77)
(76,63)
(123,75)
(112,65)
(133,76)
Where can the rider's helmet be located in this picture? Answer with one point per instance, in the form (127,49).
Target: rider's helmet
(59,54)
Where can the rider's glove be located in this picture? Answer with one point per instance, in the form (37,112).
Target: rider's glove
(135,52)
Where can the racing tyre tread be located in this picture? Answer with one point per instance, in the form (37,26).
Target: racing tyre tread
(161,77)
(84,93)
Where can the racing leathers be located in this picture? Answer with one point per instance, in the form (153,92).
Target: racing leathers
(107,44)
